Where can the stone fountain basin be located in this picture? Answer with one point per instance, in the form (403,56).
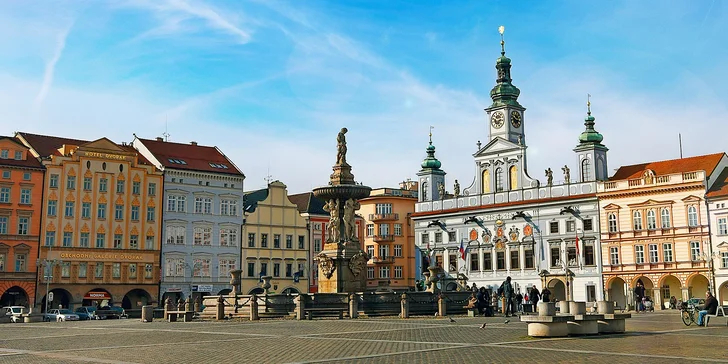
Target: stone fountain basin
(342,192)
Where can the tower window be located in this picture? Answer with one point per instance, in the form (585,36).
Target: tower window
(499,180)
(424,191)
(585,170)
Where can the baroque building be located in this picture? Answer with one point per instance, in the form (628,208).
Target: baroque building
(717,202)
(656,228)
(203,217)
(21,205)
(101,223)
(506,223)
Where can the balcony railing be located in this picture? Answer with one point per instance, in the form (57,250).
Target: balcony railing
(383,238)
(383,260)
(382,217)
(675,178)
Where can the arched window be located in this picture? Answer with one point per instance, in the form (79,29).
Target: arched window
(513,178)
(637,219)
(486,181)
(424,191)
(692,216)
(612,219)
(651,220)
(665,218)
(499,179)
(585,170)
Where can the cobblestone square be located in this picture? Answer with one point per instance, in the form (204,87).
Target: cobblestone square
(654,337)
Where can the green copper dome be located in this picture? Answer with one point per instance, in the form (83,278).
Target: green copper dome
(590,135)
(431,162)
(504,93)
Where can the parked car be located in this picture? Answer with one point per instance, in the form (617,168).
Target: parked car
(87,313)
(15,313)
(695,302)
(107,312)
(61,315)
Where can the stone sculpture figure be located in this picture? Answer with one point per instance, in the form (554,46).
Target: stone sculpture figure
(326,264)
(441,190)
(341,147)
(350,207)
(332,207)
(358,263)
(456,189)
(567,174)
(549,177)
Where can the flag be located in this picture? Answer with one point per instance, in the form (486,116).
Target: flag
(578,255)
(430,251)
(462,251)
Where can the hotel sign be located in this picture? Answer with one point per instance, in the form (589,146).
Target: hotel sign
(117,157)
(102,256)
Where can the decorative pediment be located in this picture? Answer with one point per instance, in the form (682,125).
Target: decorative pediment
(692,198)
(651,202)
(134,231)
(101,229)
(497,145)
(70,197)
(102,199)
(88,174)
(84,228)
(136,178)
(612,206)
(53,196)
(102,144)
(135,202)
(22,248)
(120,177)
(119,201)
(51,227)
(4,247)
(86,198)
(722,245)
(68,228)
(71,172)
(151,203)
(150,232)
(118,230)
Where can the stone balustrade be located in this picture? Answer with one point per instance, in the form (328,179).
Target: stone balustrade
(573,319)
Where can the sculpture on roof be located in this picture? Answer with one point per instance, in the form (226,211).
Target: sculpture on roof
(567,174)
(341,147)
(549,177)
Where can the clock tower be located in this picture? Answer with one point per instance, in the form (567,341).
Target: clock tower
(505,115)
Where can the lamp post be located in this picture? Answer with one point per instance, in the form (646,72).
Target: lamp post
(48,265)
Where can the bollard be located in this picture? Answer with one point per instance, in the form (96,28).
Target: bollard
(220,313)
(441,306)
(300,305)
(577,308)
(353,306)
(405,306)
(198,305)
(189,305)
(147,313)
(254,308)
(546,309)
(563,307)
(605,307)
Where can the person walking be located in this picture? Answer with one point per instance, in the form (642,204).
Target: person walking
(534,296)
(639,294)
(507,289)
(546,294)
(481,301)
(519,301)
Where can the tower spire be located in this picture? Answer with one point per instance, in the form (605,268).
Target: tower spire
(431,127)
(588,104)
(590,135)
(504,93)
(501,30)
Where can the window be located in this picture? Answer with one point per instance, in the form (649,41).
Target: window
(135,213)
(425,239)
(692,216)
(2,262)
(251,240)
(384,272)
(53,182)
(370,230)
(70,207)
(3,225)
(651,220)
(136,188)
(202,236)
(555,256)
(639,254)
(438,237)
(263,240)
(588,224)
(263,269)
(383,208)
(174,267)
(65,269)
(383,251)
(529,261)
(23,225)
(451,236)
(132,270)
(86,210)
(229,207)
(116,270)
(370,251)
(554,227)
(614,255)
(474,264)
(20,263)
(570,226)
(149,243)
(172,203)
(67,239)
(4,154)
(251,269)
(25,196)
(87,183)
(571,256)
(653,253)
(289,241)
(514,259)
(499,179)
(723,226)
(276,269)
(317,245)
(5,195)
(694,250)
(6,174)
(370,272)
(18,155)
(398,230)
(120,186)
(52,205)
(148,271)
(228,237)
(501,260)
(588,255)
(83,242)
(724,259)
(50,239)
(276,241)
(591,293)
(398,251)
(225,266)
(201,267)
(398,271)
(152,189)
(82,269)
(71,182)
(198,205)
(665,218)
(26,176)
(637,220)
(384,230)
(101,212)
(150,213)
(301,242)
(134,242)
(289,270)
(100,240)
(99,270)
(119,212)
(118,241)
(667,252)
(103,184)
(487,261)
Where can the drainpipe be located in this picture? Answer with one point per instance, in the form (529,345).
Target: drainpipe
(710,252)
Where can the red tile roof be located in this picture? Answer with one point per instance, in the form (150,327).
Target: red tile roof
(705,163)
(29,162)
(47,145)
(720,187)
(191,157)
(503,204)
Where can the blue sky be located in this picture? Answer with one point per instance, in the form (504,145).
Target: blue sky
(271,82)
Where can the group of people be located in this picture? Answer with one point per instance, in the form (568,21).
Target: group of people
(514,299)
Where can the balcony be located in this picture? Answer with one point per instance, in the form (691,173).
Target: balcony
(383,217)
(383,238)
(636,183)
(383,260)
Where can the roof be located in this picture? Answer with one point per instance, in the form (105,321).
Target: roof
(720,187)
(499,205)
(29,162)
(140,158)
(190,157)
(705,163)
(251,199)
(308,203)
(47,145)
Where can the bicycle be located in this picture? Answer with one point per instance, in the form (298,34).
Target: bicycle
(688,314)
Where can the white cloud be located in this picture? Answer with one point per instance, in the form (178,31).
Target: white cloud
(50,67)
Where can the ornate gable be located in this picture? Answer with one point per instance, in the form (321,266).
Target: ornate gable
(86,198)
(88,174)
(119,201)
(150,232)
(134,231)
(612,206)
(497,145)
(151,203)
(135,202)
(68,228)
(118,230)
(136,178)
(53,196)
(102,199)
(120,177)
(70,197)
(84,228)
(103,144)
(72,172)
(692,198)
(51,227)
(101,229)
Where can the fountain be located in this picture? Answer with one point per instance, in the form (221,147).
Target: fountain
(342,262)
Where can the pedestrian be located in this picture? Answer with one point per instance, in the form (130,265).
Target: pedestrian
(546,294)
(519,301)
(639,294)
(481,301)
(709,308)
(507,289)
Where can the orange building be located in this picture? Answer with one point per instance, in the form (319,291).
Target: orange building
(101,223)
(389,237)
(21,201)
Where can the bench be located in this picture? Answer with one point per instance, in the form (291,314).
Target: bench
(309,311)
(719,312)
(186,315)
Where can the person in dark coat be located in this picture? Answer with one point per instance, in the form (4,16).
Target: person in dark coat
(519,301)
(546,294)
(507,289)
(709,308)
(639,293)
(481,301)
(534,295)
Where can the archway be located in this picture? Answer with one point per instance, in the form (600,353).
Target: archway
(14,296)
(290,290)
(646,282)
(61,297)
(670,287)
(257,290)
(616,292)
(135,299)
(225,292)
(697,285)
(97,297)
(723,293)
(558,290)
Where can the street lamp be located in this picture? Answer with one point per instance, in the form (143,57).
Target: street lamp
(48,275)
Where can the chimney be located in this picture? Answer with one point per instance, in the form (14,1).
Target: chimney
(159,139)
(193,143)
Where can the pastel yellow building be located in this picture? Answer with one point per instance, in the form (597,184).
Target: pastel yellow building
(275,242)
(655,229)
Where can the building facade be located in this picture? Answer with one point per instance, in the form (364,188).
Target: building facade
(101,223)
(506,223)
(655,229)
(203,217)
(717,200)
(276,243)
(389,237)
(21,201)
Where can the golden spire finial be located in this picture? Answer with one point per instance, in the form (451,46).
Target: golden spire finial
(501,30)
(588,104)
(431,127)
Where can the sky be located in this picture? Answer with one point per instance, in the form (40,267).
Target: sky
(272,82)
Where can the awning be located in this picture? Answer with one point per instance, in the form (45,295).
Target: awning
(97,296)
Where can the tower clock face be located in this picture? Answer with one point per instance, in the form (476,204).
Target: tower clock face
(516,119)
(497,119)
